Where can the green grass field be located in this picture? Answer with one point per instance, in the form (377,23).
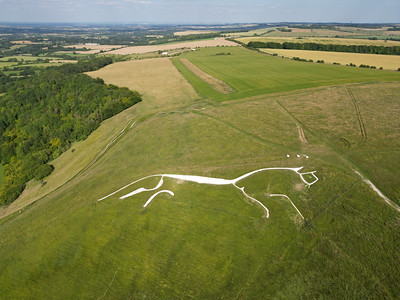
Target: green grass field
(252,74)
(209,241)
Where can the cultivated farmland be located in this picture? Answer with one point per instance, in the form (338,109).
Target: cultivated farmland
(189,32)
(93,49)
(195,44)
(157,79)
(387,62)
(252,74)
(320,40)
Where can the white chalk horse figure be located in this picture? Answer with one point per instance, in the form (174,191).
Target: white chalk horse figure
(214,181)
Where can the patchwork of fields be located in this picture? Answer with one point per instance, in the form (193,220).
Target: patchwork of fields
(320,40)
(253,74)
(333,120)
(217,42)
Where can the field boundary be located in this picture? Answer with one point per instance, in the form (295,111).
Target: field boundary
(199,85)
(217,84)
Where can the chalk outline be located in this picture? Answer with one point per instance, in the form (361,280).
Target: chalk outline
(213,181)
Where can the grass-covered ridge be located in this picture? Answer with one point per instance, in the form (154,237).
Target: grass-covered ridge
(210,242)
(209,235)
(44,114)
(252,74)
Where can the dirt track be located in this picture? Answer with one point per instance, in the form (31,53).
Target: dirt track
(215,83)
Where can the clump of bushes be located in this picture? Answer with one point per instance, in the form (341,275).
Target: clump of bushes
(367,66)
(299,59)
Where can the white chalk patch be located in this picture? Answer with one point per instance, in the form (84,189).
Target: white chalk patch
(212,181)
(152,197)
(140,190)
(281,195)
(200,179)
(254,199)
(133,124)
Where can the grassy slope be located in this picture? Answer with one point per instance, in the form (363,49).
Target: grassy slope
(334,117)
(68,245)
(171,91)
(252,74)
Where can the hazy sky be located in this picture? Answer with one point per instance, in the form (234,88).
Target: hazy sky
(199,11)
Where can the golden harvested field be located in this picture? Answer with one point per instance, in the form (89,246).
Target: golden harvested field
(387,62)
(195,44)
(94,48)
(189,32)
(159,82)
(337,41)
(21,42)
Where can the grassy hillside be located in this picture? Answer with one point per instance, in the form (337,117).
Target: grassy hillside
(162,88)
(208,241)
(252,74)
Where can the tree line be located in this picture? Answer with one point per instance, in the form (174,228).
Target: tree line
(41,116)
(394,50)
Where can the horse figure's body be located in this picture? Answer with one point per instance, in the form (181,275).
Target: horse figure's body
(213,181)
